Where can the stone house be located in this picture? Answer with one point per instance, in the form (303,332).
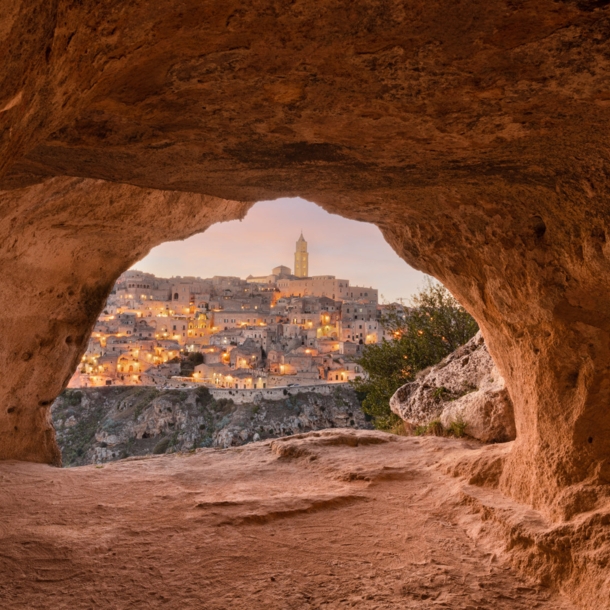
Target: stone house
(248,355)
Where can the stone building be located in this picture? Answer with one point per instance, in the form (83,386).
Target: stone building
(327,286)
(264,331)
(301,258)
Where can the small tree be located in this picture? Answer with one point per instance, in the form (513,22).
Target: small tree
(195,358)
(434,326)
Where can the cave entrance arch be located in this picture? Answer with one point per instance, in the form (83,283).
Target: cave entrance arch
(477,145)
(72,263)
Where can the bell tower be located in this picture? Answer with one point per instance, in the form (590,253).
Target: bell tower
(301,258)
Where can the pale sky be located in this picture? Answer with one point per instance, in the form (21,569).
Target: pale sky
(266,238)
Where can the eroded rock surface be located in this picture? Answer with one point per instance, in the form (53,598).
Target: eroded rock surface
(59,258)
(331,519)
(95,426)
(465,388)
(473,134)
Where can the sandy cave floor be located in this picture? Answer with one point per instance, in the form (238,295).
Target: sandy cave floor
(336,519)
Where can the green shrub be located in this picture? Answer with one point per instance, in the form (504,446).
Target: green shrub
(435,326)
(435,428)
(440,392)
(222,403)
(203,394)
(73,398)
(398,428)
(458,427)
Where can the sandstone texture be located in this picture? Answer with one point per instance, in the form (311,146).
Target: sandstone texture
(49,308)
(94,426)
(465,388)
(474,134)
(331,519)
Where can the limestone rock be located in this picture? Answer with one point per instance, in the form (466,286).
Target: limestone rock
(97,425)
(331,519)
(474,135)
(465,387)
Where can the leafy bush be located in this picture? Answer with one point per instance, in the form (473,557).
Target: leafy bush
(204,398)
(458,428)
(222,404)
(73,398)
(398,428)
(435,428)
(440,392)
(434,326)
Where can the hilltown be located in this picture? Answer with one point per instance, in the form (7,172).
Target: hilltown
(269,331)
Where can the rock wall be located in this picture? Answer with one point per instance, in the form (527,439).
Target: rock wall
(473,134)
(106,424)
(467,389)
(59,257)
(279,393)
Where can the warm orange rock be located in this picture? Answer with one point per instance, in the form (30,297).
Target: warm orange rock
(474,134)
(337,519)
(60,256)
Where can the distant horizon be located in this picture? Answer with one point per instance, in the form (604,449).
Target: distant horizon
(266,238)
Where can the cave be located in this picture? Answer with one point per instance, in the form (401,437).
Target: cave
(473,134)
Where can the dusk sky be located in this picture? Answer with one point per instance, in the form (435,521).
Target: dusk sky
(266,238)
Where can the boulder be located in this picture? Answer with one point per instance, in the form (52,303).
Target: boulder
(465,387)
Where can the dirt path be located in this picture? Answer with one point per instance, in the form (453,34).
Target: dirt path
(338,519)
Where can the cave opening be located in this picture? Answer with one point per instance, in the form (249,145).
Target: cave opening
(476,140)
(163,313)
(531,320)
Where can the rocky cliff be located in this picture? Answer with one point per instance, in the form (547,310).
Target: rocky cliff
(98,425)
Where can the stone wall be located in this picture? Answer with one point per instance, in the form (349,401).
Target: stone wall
(254,396)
